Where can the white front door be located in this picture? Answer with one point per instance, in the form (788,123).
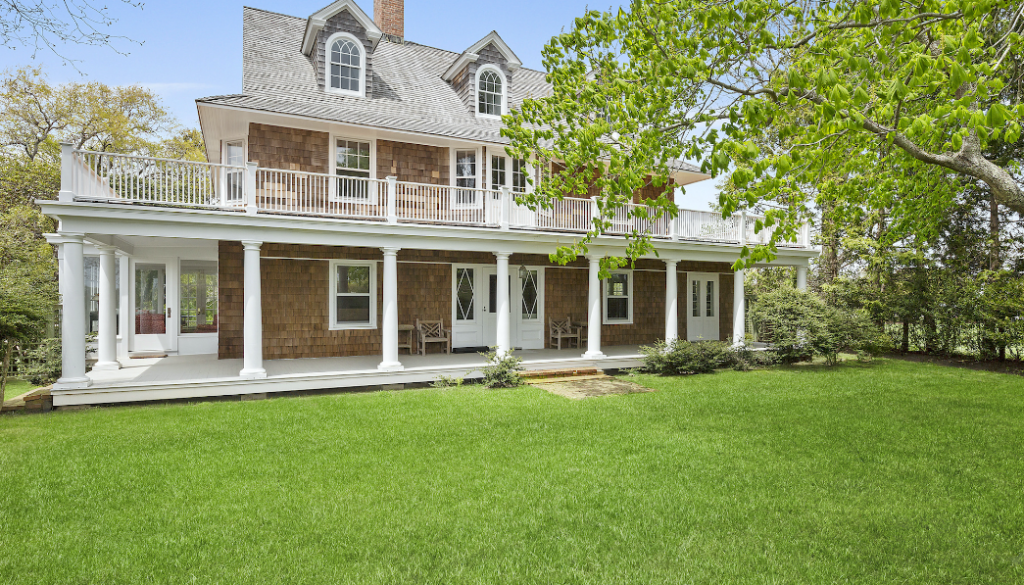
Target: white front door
(701,306)
(153,289)
(475,306)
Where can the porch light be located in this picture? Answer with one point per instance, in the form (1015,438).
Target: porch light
(523,272)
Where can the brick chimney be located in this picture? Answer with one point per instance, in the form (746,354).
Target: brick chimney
(389,15)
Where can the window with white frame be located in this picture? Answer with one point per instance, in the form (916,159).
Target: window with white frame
(234,156)
(353,295)
(352,165)
(497,172)
(346,65)
(465,176)
(519,175)
(618,298)
(490,91)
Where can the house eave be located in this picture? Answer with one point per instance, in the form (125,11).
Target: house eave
(316,23)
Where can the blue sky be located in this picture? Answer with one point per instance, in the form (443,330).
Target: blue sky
(193,49)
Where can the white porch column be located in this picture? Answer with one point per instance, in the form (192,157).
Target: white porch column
(389,328)
(125,322)
(671,301)
(107,335)
(801,277)
(594,314)
(739,307)
(504,329)
(72,314)
(252,347)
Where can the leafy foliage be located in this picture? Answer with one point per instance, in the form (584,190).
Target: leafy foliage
(502,371)
(861,104)
(685,357)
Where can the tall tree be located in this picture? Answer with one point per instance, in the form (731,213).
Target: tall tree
(51,25)
(898,95)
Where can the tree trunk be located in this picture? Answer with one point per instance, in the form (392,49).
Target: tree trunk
(994,262)
(5,367)
(905,346)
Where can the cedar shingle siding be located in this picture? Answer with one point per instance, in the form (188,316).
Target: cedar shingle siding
(413,162)
(277,147)
(296,287)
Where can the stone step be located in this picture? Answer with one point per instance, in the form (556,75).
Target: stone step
(534,374)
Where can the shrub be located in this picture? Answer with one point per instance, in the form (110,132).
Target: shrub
(802,326)
(685,357)
(502,372)
(447,382)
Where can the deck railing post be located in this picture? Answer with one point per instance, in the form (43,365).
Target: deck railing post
(67,169)
(391,206)
(743,228)
(805,235)
(595,213)
(251,206)
(673,229)
(505,208)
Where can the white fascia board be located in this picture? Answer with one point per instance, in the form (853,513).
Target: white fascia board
(463,60)
(316,22)
(128,220)
(493,37)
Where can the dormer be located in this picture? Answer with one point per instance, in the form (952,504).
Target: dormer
(482,76)
(339,41)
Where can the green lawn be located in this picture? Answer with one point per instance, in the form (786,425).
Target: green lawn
(16,387)
(889,473)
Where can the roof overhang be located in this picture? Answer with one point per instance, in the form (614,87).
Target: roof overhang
(473,53)
(316,23)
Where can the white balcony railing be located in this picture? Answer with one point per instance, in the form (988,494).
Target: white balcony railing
(95,176)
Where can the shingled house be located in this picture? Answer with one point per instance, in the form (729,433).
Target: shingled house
(357,193)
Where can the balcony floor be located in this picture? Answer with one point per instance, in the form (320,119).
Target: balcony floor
(179,377)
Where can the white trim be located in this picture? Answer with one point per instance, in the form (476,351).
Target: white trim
(332,157)
(476,293)
(453,176)
(316,22)
(327,65)
(472,54)
(604,300)
(332,307)
(504,91)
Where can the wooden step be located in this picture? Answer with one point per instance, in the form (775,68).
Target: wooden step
(532,374)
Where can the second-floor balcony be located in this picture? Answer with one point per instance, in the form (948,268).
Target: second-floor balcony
(147,181)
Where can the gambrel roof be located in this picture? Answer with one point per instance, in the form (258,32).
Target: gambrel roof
(408,92)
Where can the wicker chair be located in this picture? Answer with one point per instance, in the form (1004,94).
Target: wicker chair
(432,332)
(563,329)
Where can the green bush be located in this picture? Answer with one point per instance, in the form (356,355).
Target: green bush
(684,357)
(446,382)
(799,326)
(502,372)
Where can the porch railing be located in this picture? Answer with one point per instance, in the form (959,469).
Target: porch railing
(95,176)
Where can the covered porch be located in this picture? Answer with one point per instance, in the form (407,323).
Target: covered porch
(204,376)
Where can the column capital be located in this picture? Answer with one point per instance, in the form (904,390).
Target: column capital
(390,251)
(503,255)
(65,238)
(670,262)
(251,244)
(105,249)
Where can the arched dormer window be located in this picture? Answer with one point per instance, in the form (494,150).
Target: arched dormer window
(490,91)
(346,65)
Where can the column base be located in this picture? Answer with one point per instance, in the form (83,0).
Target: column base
(595,355)
(254,374)
(390,367)
(72,383)
(106,366)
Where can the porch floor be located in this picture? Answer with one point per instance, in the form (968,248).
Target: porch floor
(176,377)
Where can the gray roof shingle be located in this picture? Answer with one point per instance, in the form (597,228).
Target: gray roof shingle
(408,91)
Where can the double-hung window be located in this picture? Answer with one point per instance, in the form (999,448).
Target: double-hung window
(346,67)
(497,172)
(352,167)
(491,94)
(234,156)
(465,177)
(353,295)
(618,298)
(519,175)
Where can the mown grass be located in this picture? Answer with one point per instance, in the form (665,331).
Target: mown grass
(889,473)
(16,387)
